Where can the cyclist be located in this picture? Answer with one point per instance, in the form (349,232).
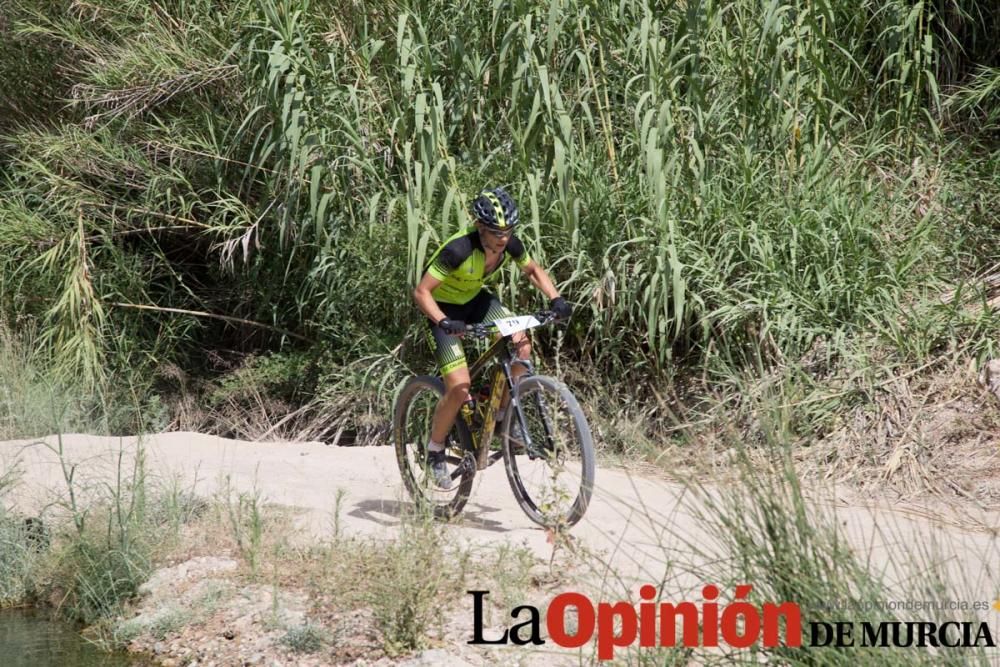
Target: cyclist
(451,294)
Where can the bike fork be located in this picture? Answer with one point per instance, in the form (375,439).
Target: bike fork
(515,404)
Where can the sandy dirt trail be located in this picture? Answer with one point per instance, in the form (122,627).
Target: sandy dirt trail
(643,528)
(310,475)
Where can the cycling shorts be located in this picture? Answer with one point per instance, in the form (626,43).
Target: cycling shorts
(448,351)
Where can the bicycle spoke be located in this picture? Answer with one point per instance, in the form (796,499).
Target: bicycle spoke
(412,428)
(550,466)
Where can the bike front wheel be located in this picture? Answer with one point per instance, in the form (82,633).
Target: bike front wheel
(413,415)
(548,452)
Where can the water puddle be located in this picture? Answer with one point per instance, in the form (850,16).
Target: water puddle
(31,639)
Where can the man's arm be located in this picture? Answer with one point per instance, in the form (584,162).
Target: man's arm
(425,300)
(540,279)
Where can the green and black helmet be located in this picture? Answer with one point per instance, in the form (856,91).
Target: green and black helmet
(495,209)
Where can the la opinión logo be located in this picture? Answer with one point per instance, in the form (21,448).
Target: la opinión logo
(708,624)
(739,623)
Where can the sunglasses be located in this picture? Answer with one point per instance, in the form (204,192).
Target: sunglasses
(500,234)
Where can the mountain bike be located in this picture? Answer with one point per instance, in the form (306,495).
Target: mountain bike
(543,437)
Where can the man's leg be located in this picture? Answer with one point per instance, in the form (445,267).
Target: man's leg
(456,390)
(522,348)
(455,373)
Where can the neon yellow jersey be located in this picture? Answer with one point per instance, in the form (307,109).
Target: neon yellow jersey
(460,265)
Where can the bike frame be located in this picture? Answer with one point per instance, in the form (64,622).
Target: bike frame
(499,352)
(503,380)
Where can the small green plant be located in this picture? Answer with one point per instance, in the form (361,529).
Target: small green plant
(212,598)
(338,503)
(176,505)
(509,566)
(19,559)
(101,577)
(167,621)
(109,554)
(411,586)
(117,636)
(159,626)
(305,638)
(246,521)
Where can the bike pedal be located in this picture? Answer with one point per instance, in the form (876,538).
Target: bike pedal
(534,454)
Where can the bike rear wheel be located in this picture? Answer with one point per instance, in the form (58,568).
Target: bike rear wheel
(412,417)
(551,470)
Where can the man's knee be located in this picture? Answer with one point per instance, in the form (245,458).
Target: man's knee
(522,347)
(458,390)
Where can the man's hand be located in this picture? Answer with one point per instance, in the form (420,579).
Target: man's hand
(452,327)
(561,308)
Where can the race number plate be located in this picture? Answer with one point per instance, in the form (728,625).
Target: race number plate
(510,325)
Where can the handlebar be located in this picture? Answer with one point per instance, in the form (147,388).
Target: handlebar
(484,329)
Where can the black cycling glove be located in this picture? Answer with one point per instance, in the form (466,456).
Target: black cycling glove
(561,308)
(452,327)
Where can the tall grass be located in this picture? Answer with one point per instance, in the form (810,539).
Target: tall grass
(705,180)
(794,540)
(90,543)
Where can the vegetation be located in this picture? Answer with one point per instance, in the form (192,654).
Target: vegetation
(715,184)
(373,597)
(212,214)
(768,532)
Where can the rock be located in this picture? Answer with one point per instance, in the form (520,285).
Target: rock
(434,657)
(167,579)
(168,662)
(159,648)
(989,377)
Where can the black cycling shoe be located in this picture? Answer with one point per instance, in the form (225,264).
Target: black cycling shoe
(439,469)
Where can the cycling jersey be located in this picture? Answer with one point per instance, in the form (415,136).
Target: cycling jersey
(460,265)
